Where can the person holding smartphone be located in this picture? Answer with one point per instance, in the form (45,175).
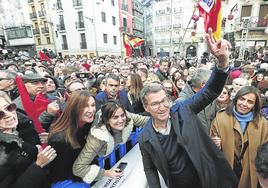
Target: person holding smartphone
(114,127)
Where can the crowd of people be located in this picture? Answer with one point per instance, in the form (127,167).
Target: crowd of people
(204,122)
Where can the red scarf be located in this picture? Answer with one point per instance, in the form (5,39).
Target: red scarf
(32,109)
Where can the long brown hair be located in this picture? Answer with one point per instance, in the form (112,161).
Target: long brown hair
(135,85)
(67,123)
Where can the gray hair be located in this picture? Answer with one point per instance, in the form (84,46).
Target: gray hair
(10,74)
(201,76)
(150,88)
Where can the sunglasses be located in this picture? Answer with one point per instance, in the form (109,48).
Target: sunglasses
(10,108)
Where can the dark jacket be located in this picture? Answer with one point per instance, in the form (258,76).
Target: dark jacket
(18,155)
(212,168)
(207,114)
(102,98)
(61,167)
(162,76)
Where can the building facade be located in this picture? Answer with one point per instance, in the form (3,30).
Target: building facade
(76,27)
(42,24)
(167,28)
(16,26)
(138,24)
(246,23)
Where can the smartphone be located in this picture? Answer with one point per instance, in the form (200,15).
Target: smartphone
(122,166)
(83,75)
(61,91)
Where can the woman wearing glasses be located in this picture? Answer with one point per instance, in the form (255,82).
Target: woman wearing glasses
(22,162)
(114,127)
(68,135)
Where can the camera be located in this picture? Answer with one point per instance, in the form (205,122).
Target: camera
(83,75)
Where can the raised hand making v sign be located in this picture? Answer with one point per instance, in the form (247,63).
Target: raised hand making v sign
(220,49)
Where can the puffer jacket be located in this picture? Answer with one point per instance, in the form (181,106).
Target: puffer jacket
(100,142)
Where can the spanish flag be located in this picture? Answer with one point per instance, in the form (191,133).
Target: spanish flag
(127,46)
(211,11)
(136,41)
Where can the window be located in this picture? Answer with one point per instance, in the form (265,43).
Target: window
(48,40)
(83,43)
(124,22)
(80,16)
(113,20)
(103,17)
(38,41)
(105,38)
(112,3)
(263,16)
(115,40)
(59,5)
(246,11)
(64,42)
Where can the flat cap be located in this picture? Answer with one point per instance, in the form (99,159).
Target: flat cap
(33,77)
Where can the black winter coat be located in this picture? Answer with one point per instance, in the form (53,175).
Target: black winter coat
(18,155)
(60,168)
(212,168)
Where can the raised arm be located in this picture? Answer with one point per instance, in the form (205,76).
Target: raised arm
(213,88)
(138,120)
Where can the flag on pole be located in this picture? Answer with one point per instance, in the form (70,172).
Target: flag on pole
(44,57)
(127,46)
(136,41)
(211,11)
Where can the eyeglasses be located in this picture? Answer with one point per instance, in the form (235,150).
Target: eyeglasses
(165,102)
(10,108)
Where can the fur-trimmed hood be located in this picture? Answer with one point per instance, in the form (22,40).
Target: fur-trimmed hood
(103,134)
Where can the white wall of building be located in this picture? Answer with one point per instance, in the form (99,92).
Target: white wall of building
(94,27)
(107,28)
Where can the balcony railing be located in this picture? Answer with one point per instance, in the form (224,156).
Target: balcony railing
(33,15)
(80,25)
(77,3)
(125,29)
(61,27)
(41,13)
(162,41)
(45,30)
(254,23)
(64,46)
(36,31)
(83,45)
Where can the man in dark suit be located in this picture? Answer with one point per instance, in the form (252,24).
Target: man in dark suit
(174,142)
